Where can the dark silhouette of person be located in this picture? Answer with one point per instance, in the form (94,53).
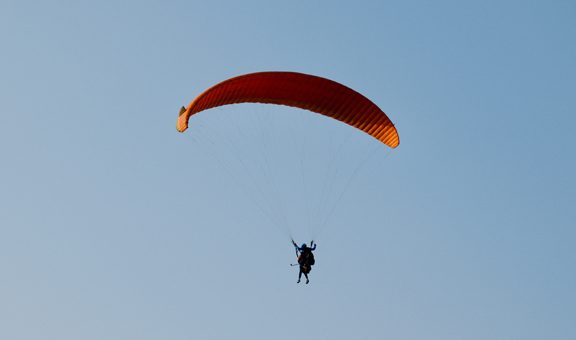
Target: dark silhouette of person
(305,259)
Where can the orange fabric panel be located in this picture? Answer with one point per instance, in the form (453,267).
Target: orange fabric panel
(299,90)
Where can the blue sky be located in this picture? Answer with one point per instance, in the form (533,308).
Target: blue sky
(115,226)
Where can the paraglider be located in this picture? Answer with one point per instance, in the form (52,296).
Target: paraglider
(305,259)
(303,91)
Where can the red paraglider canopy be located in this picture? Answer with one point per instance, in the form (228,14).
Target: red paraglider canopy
(299,90)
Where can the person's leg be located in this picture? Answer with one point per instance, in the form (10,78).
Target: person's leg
(299,275)
(307,280)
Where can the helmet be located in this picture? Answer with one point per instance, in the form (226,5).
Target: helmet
(304,246)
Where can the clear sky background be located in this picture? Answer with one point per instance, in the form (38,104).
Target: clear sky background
(115,226)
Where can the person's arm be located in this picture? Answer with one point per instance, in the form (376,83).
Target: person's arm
(295,245)
(313,245)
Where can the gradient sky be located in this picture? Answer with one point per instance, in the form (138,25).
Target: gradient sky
(115,226)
